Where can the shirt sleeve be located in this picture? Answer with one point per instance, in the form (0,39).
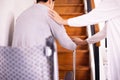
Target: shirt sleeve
(98,36)
(106,10)
(60,34)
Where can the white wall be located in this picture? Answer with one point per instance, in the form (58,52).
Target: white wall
(9,11)
(6,18)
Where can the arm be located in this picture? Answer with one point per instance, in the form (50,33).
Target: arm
(98,36)
(106,10)
(60,34)
(95,38)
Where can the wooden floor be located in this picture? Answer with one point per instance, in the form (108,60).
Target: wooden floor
(68,9)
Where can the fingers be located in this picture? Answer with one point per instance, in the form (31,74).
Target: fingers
(51,13)
(56,17)
(78,41)
(74,40)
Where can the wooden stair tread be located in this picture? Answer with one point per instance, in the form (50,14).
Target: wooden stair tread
(69,8)
(81,37)
(72,14)
(68,5)
(78,36)
(69,51)
(82,58)
(68,2)
(73,27)
(76,31)
(69,67)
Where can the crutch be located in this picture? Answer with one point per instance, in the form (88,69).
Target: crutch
(74,64)
(71,75)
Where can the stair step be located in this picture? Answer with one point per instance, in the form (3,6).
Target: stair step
(82,74)
(69,5)
(81,37)
(82,47)
(69,8)
(68,1)
(70,68)
(76,31)
(62,49)
(70,15)
(82,58)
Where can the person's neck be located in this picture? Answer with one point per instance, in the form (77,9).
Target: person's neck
(44,3)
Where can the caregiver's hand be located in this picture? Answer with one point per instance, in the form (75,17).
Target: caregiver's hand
(55,16)
(79,41)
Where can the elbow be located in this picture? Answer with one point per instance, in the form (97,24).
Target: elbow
(72,46)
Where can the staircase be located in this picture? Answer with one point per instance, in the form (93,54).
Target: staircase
(68,9)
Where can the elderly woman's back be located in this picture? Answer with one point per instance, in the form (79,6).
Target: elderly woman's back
(35,29)
(34,26)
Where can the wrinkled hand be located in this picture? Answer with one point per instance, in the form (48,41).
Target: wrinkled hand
(79,41)
(55,16)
